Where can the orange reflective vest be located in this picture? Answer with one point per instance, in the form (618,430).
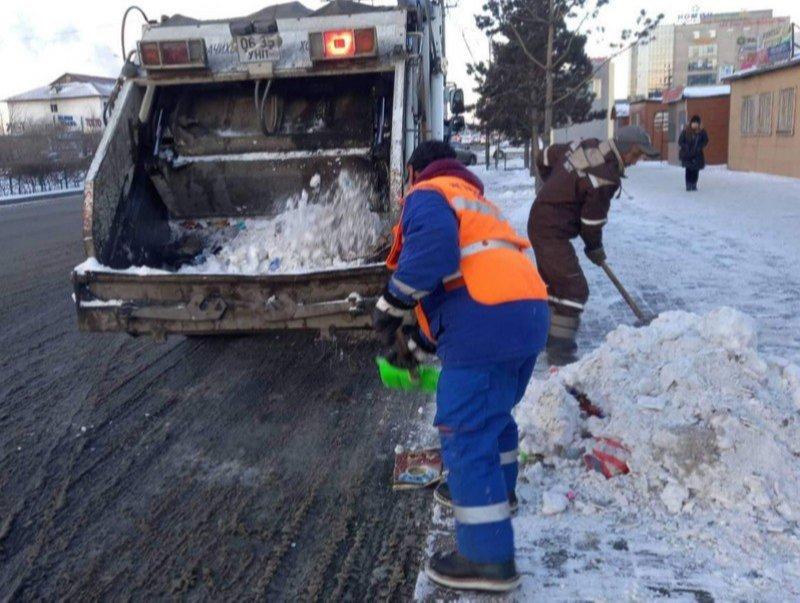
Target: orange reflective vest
(493,267)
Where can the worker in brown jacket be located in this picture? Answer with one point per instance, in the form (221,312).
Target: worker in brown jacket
(580,179)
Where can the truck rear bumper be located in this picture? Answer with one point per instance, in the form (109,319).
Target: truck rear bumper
(162,304)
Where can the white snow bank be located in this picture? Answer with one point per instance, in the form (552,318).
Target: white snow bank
(335,230)
(93,265)
(710,423)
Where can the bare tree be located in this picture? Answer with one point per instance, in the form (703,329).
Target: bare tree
(546,32)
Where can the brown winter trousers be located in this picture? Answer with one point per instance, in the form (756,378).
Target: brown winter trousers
(560,269)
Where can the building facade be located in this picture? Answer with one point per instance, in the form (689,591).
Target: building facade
(763,127)
(651,64)
(649,114)
(602,85)
(622,114)
(712,104)
(73,101)
(700,50)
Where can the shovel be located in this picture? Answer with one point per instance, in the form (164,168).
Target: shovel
(643,319)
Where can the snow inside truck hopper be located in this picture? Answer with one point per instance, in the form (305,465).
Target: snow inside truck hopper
(222,125)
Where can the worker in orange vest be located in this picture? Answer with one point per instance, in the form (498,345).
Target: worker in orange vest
(480,306)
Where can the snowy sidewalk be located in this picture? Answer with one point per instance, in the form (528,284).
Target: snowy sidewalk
(734,243)
(712,415)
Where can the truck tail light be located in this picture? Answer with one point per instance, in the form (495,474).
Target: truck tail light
(343,44)
(365,41)
(173,54)
(339,44)
(149,55)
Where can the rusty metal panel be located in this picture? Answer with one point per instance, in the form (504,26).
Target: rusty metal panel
(223,51)
(201,304)
(110,171)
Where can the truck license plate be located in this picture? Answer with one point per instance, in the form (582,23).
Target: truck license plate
(259,48)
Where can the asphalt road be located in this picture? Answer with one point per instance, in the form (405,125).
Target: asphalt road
(229,468)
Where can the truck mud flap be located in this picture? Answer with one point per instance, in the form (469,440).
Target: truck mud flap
(159,305)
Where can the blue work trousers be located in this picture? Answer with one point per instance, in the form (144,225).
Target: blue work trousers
(479,448)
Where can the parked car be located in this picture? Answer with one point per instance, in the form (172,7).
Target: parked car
(464,154)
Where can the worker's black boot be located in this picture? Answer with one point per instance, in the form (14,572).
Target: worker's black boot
(561,346)
(442,496)
(455,571)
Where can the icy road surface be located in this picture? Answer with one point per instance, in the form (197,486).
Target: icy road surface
(729,429)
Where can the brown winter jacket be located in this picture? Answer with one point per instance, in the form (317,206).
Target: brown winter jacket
(580,181)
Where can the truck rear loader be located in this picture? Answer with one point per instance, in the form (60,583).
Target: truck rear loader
(219,122)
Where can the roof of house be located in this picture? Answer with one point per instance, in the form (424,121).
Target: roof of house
(755,71)
(287,10)
(639,101)
(69,85)
(682,92)
(706,91)
(348,7)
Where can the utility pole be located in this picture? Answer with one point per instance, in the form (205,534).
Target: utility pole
(549,75)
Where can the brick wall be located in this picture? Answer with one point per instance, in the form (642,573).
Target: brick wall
(643,113)
(715,113)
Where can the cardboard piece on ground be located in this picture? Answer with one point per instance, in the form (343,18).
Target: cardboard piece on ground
(414,469)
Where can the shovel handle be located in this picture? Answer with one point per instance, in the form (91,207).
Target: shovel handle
(625,295)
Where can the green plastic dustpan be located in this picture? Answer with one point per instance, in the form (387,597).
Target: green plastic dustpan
(425,378)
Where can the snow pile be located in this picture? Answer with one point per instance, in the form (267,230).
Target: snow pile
(329,228)
(711,425)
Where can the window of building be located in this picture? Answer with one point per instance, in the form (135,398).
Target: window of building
(597,87)
(701,79)
(765,114)
(53,108)
(785,123)
(747,116)
(696,35)
(712,33)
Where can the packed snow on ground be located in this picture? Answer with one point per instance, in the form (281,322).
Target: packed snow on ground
(712,501)
(332,227)
(733,242)
(707,399)
(713,429)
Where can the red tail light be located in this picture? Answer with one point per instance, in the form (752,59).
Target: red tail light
(343,44)
(339,44)
(365,41)
(173,54)
(149,55)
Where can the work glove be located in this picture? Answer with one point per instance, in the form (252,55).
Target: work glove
(411,349)
(419,346)
(388,316)
(596,256)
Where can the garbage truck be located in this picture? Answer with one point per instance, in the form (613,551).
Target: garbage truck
(219,127)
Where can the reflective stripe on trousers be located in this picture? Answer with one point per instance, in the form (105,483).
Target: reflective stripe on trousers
(565,302)
(481,515)
(506,458)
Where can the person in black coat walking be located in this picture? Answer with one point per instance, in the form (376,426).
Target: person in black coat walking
(692,141)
